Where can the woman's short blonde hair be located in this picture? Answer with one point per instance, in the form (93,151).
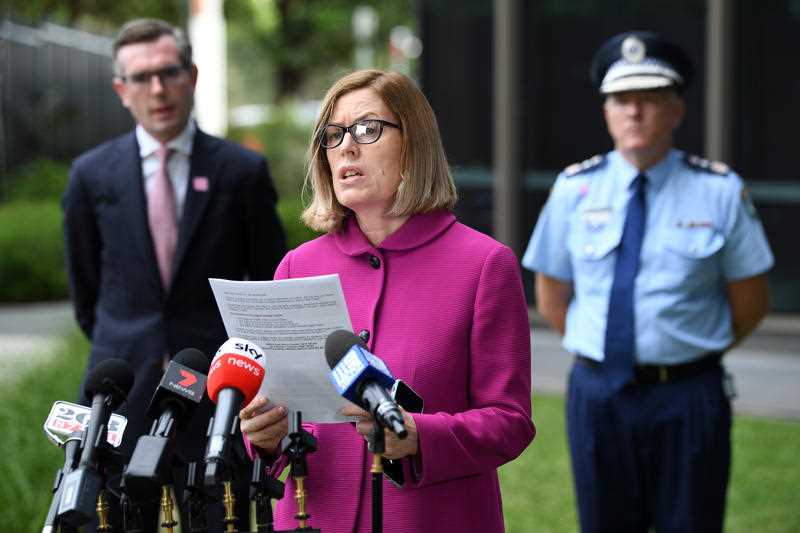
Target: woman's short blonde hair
(427,183)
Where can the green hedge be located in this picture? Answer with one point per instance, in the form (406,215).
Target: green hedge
(297,233)
(31,241)
(32,248)
(283,142)
(41,179)
(31,252)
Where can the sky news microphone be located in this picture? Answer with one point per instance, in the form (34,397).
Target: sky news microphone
(363,379)
(233,381)
(107,385)
(180,391)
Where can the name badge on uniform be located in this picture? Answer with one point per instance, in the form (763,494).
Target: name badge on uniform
(596,218)
(691,224)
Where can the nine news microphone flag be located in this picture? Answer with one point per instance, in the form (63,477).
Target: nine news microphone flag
(64,427)
(180,391)
(233,381)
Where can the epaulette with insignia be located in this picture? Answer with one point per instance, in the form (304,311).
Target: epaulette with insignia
(715,167)
(583,166)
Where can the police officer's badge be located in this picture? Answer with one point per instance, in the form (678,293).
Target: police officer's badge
(748,203)
(633,49)
(587,164)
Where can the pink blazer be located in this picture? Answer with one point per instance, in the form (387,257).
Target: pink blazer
(445,310)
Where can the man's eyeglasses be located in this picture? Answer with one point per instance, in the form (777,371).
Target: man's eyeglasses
(167,75)
(363,132)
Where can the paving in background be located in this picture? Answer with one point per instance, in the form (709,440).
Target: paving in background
(766,367)
(29,335)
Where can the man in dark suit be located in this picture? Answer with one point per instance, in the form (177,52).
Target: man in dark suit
(151,215)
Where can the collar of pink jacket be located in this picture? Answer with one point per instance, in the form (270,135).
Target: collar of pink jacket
(418,230)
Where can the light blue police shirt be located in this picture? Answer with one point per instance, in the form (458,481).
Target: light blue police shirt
(702,232)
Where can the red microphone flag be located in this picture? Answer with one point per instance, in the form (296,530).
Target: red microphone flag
(237,364)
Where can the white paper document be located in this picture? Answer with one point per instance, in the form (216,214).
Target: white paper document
(290,320)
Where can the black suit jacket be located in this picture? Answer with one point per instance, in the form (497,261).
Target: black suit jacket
(231,231)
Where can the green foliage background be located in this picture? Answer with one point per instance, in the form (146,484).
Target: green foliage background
(31,252)
(32,266)
(282,56)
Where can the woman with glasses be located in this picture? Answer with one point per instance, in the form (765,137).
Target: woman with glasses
(440,303)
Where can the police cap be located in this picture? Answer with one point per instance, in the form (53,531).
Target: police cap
(639,60)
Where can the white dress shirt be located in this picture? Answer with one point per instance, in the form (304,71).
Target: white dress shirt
(178,165)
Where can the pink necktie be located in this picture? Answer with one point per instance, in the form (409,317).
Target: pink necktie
(161,216)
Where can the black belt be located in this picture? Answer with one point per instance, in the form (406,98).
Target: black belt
(651,374)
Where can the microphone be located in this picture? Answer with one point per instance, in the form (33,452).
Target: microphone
(180,391)
(72,447)
(363,379)
(234,379)
(64,427)
(108,385)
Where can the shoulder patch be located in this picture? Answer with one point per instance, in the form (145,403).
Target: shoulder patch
(747,202)
(587,164)
(714,167)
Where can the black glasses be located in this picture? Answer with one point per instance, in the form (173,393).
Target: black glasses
(363,132)
(167,75)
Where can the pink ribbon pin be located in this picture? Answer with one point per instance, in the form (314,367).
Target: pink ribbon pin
(200,183)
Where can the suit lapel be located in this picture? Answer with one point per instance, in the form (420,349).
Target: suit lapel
(127,171)
(202,180)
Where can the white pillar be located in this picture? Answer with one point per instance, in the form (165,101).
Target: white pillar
(365,24)
(209,51)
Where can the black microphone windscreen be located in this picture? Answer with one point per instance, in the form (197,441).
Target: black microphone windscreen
(338,343)
(194,359)
(110,376)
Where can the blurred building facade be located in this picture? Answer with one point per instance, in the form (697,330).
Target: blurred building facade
(55,93)
(743,106)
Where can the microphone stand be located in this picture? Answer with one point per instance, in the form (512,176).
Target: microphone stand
(103,508)
(229,503)
(52,522)
(132,521)
(111,463)
(168,522)
(263,488)
(220,470)
(377,445)
(301,443)
(132,515)
(195,498)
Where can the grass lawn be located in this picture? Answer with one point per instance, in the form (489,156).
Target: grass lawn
(28,461)
(764,495)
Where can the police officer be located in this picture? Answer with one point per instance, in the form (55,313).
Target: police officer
(651,263)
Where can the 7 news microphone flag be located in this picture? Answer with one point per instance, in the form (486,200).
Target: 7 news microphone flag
(180,391)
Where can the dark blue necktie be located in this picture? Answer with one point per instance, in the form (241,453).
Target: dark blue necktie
(620,324)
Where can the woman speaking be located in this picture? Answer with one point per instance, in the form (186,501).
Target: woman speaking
(440,303)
